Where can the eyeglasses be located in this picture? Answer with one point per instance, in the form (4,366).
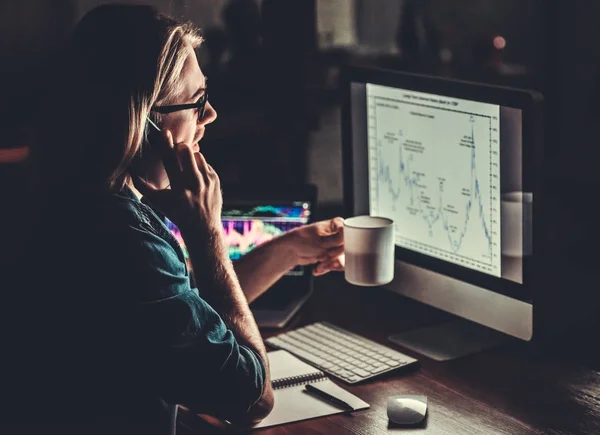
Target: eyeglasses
(200,105)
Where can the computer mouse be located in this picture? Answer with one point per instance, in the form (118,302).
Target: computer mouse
(406,409)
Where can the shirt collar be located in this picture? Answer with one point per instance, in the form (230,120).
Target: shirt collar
(128,193)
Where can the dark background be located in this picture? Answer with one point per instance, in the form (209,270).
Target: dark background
(273,70)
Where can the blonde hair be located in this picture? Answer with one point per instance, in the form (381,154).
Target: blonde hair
(180,40)
(122,61)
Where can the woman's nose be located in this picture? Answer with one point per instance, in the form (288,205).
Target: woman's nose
(210,114)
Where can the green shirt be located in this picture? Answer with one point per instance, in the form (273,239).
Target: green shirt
(110,331)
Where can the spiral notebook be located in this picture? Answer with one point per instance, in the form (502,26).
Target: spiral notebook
(289,375)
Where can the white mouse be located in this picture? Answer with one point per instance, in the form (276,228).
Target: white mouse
(407,409)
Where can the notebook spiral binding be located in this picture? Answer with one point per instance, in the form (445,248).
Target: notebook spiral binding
(298,380)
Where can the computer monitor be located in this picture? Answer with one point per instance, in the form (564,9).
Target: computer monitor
(456,165)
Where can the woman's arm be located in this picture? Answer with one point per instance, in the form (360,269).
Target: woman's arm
(260,268)
(214,273)
(319,242)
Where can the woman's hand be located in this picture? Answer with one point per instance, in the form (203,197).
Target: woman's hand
(194,197)
(322,243)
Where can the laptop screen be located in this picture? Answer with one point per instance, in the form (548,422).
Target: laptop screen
(248,224)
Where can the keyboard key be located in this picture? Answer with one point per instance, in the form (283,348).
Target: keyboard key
(361,372)
(379,369)
(344,373)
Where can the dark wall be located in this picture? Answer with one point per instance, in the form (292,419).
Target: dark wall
(460,24)
(576,71)
(30,33)
(555,41)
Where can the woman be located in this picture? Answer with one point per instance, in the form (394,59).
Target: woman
(120,336)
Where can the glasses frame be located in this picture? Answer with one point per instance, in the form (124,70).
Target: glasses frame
(200,105)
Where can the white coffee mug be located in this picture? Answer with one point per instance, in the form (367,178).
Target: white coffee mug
(369,250)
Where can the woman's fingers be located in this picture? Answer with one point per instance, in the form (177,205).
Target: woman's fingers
(203,165)
(189,167)
(332,232)
(182,164)
(334,264)
(329,254)
(335,251)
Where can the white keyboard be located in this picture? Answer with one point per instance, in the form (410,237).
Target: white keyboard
(340,353)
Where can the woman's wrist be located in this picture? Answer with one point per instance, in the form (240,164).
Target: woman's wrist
(199,237)
(285,249)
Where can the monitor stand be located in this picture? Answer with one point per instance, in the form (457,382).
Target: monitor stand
(451,340)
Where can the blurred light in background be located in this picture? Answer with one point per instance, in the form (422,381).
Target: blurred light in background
(499,42)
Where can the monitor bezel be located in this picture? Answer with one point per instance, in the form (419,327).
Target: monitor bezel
(529,101)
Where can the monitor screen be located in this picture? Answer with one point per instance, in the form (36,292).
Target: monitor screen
(435,170)
(445,161)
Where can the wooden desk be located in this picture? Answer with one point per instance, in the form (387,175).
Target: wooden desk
(511,390)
